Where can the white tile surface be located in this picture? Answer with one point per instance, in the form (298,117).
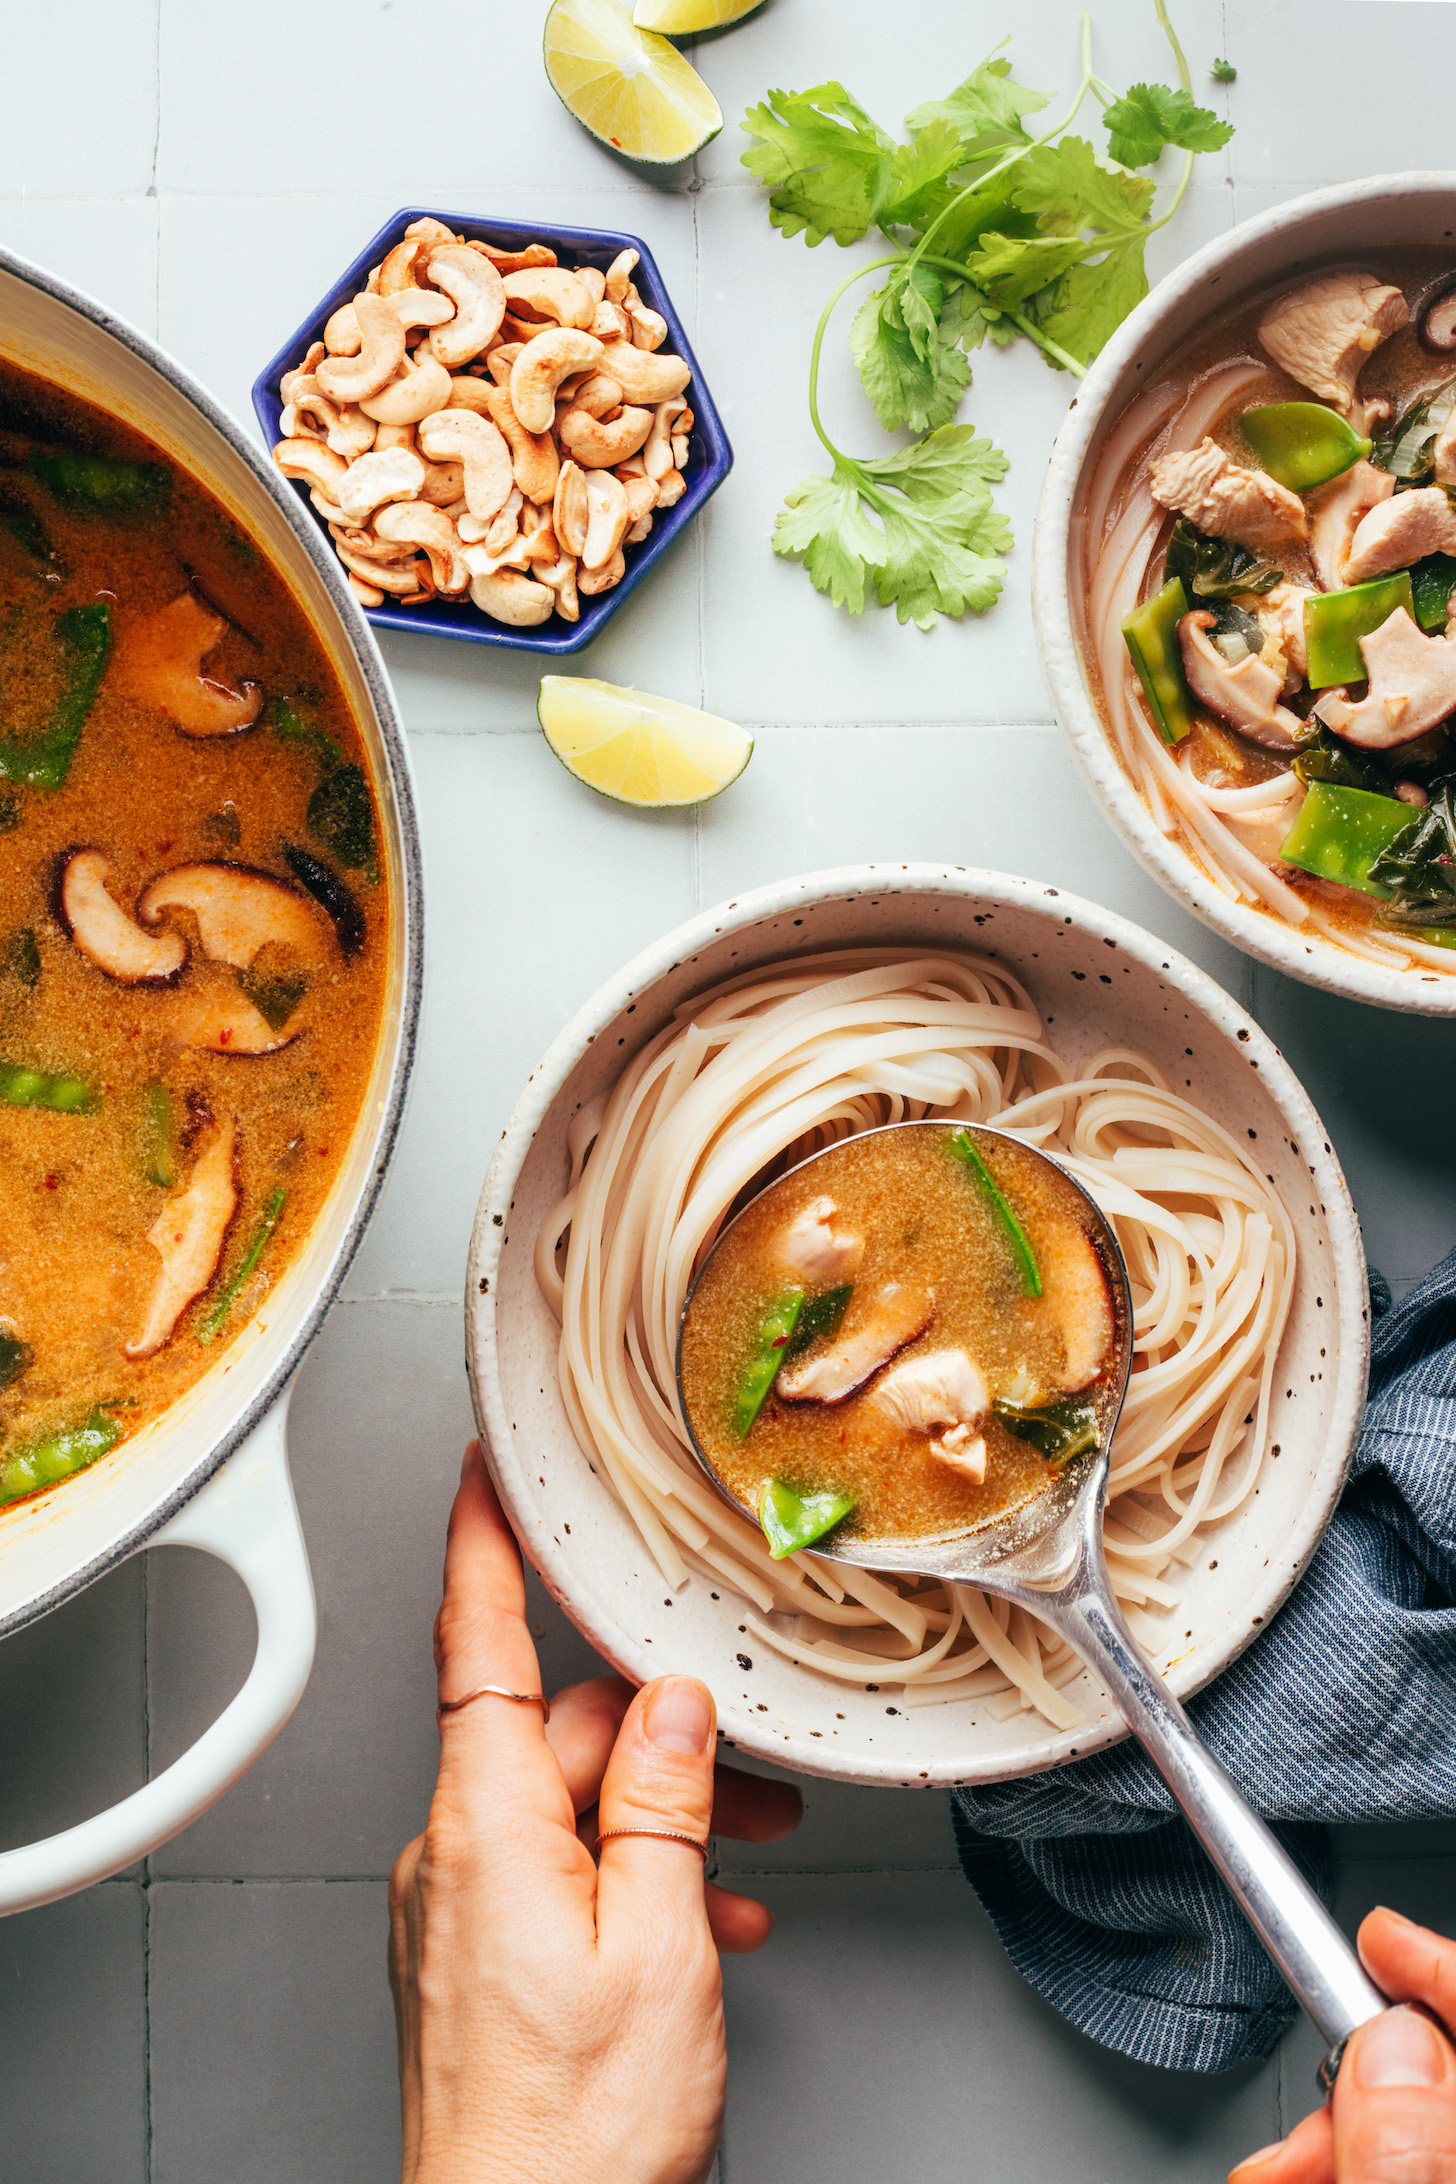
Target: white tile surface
(207,191)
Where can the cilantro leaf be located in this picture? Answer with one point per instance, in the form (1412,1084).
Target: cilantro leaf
(1010,268)
(987,105)
(917,189)
(1151,116)
(907,340)
(823,524)
(1069,189)
(1223,72)
(826,161)
(1091,302)
(936,546)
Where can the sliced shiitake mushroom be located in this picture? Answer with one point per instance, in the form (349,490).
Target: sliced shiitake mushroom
(189,1233)
(1436,317)
(332,896)
(104,933)
(224,1021)
(238,911)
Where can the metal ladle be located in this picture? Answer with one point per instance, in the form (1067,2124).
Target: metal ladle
(1047,1556)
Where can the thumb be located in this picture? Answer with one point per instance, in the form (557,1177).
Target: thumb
(1395,2103)
(658,1779)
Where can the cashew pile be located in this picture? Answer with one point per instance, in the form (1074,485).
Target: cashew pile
(486,421)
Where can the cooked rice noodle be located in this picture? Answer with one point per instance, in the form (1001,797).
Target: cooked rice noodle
(771,1067)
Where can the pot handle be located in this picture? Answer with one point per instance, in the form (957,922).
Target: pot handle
(246,1516)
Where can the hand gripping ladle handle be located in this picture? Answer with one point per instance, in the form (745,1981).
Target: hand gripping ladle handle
(1284,1911)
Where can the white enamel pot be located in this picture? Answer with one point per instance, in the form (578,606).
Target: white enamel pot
(1352,223)
(212,1471)
(1098,982)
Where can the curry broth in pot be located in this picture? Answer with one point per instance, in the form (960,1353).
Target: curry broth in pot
(915,1324)
(193,931)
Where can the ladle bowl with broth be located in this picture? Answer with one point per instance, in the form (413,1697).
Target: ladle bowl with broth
(906,1338)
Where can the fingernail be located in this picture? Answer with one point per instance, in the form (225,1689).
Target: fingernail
(679,1717)
(1398,1918)
(1399,2048)
(1252,2161)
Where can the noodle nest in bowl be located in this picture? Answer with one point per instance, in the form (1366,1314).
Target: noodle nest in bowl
(767,1068)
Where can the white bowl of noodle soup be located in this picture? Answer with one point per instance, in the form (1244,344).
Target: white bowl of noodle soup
(633,1584)
(1082,503)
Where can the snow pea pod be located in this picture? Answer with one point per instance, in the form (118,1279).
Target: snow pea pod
(82,636)
(22,1086)
(1151,636)
(1335,621)
(1340,833)
(771,1339)
(820,1316)
(792,1521)
(101,485)
(1302,444)
(159,1133)
(964,1148)
(42,1463)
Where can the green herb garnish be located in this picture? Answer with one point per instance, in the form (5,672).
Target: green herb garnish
(995,234)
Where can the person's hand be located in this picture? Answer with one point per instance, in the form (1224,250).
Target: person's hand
(1393,2117)
(560,2022)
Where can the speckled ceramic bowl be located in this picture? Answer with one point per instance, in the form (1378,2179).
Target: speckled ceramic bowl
(1098,981)
(1352,222)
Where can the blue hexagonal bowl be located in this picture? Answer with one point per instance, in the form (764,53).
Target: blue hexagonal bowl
(711,457)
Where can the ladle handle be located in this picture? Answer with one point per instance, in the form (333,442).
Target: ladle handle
(1284,1911)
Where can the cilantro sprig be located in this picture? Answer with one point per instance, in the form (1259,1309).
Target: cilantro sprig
(996,234)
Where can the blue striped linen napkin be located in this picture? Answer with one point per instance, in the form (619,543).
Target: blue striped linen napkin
(1345,1709)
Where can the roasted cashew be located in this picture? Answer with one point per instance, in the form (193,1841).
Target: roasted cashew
(341,332)
(599,446)
(421,386)
(642,376)
(464,436)
(399,269)
(534,461)
(352,379)
(657,451)
(608,520)
(387,474)
(479,296)
(509,597)
(413,523)
(593,279)
(512,261)
(599,395)
(641,496)
(649,328)
(368,595)
(671,489)
(396,577)
(549,292)
(429,231)
(639,530)
(312,461)
(591,581)
(570,513)
(305,370)
(619,275)
(394,436)
(610,322)
(500,361)
(540,368)
(444,487)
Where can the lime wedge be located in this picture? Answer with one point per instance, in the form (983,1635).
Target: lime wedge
(631,88)
(651,752)
(680,18)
